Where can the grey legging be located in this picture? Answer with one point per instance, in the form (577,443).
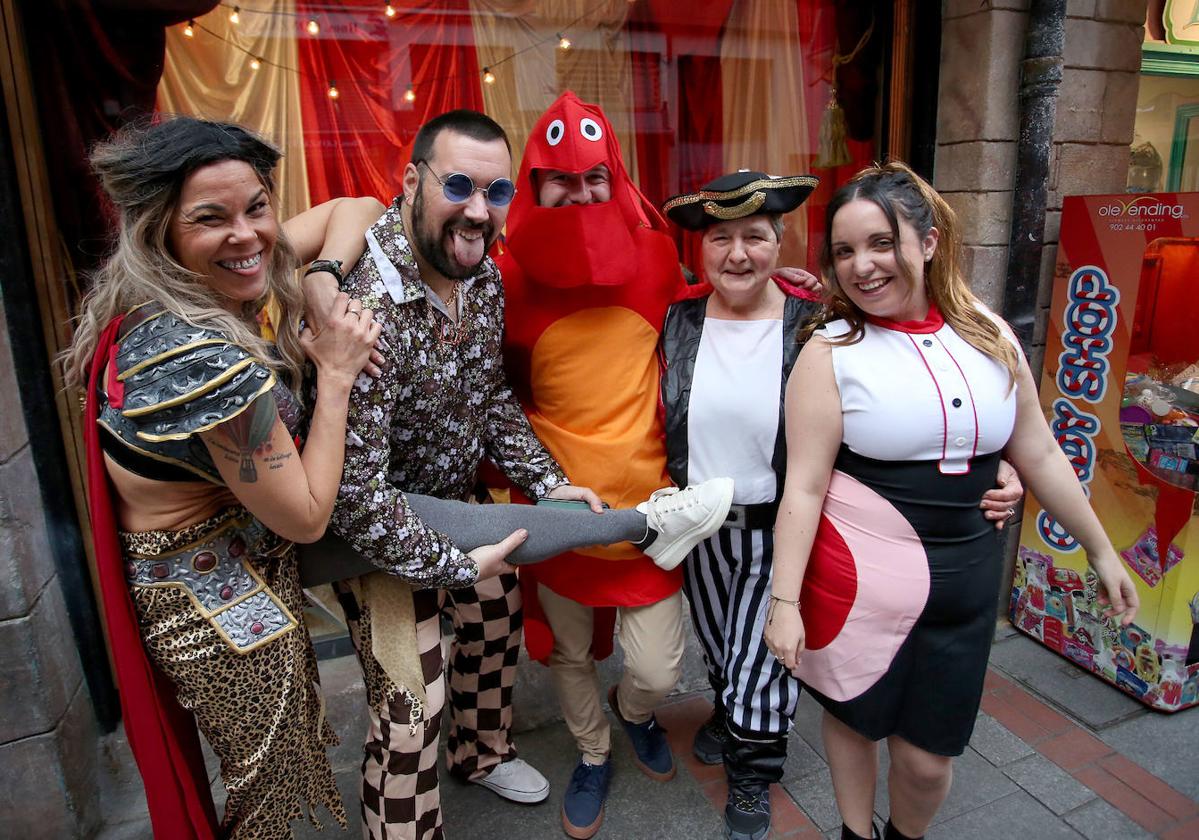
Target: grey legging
(552,530)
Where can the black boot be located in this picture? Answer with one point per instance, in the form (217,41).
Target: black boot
(848,833)
(708,745)
(751,767)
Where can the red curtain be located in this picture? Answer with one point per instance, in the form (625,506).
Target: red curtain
(818,42)
(673,29)
(94,66)
(653,134)
(359,143)
(664,26)
(701,136)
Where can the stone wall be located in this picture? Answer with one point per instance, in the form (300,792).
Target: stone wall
(977,127)
(982,45)
(48,773)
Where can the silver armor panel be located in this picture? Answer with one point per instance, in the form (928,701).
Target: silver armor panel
(219,577)
(180,380)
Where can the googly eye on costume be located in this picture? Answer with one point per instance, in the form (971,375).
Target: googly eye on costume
(555,132)
(590,129)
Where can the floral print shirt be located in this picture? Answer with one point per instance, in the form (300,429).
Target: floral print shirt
(425,425)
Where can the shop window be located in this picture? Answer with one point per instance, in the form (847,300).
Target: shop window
(1159,415)
(693,90)
(1183,174)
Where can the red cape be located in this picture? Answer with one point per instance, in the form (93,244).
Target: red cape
(161,734)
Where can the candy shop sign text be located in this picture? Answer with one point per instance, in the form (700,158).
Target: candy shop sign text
(1083,373)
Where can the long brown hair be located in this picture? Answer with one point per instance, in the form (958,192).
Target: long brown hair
(142,168)
(902,194)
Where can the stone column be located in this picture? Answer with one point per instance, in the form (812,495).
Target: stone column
(977,127)
(48,737)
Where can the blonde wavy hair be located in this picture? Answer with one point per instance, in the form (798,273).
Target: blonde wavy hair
(142,169)
(902,194)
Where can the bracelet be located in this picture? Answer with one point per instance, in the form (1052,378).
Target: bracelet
(774,602)
(331,266)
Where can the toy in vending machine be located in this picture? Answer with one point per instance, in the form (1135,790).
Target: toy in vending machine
(1120,388)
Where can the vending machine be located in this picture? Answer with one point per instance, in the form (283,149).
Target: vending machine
(1120,389)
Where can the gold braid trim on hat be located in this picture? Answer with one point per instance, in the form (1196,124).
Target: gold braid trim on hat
(727,195)
(737,211)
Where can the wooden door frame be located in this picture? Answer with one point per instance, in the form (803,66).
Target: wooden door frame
(900,83)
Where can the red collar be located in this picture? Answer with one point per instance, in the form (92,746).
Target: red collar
(931,323)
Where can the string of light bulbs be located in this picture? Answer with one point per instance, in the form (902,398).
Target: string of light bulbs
(312,27)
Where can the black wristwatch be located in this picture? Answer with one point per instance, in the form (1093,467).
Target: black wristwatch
(331,266)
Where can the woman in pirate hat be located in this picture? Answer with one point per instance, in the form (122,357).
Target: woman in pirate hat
(728,351)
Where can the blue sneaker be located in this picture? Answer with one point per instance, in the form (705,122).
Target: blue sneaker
(583,804)
(651,751)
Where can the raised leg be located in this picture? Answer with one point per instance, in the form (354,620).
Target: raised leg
(552,530)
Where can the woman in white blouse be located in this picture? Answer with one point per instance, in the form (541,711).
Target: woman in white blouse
(729,350)
(884,594)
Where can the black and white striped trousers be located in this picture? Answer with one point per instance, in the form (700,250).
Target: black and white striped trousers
(727,581)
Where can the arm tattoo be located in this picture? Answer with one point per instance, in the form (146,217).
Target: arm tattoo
(250,430)
(277,460)
(228,453)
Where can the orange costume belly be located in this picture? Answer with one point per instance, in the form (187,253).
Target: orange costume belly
(594,389)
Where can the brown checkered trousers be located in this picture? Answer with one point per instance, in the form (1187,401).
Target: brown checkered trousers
(400,797)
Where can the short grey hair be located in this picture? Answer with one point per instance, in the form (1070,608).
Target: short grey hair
(776,223)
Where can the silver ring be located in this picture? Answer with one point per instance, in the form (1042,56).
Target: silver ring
(1010,513)
(357,313)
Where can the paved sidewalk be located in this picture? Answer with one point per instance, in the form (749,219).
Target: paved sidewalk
(1055,754)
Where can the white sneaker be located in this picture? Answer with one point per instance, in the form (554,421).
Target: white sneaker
(516,780)
(684,518)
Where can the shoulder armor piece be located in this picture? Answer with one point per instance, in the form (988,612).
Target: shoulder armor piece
(182,379)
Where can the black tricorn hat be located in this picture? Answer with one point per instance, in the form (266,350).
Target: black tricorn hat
(738,195)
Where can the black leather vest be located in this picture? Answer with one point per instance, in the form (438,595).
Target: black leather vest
(680,344)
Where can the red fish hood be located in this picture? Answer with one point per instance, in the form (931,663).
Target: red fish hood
(600,244)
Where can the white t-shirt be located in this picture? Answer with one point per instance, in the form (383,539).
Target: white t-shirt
(733,413)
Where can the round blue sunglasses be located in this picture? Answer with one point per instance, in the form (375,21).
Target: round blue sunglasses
(458,187)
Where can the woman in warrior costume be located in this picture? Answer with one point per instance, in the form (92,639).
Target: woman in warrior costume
(729,352)
(896,413)
(193,423)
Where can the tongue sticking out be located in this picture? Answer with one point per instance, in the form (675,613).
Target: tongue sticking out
(468,246)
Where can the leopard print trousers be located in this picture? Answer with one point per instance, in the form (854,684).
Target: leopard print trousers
(261,711)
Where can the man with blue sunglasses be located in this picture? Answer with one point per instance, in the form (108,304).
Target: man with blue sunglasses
(440,405)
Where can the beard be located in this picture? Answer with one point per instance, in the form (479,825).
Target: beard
(433,243)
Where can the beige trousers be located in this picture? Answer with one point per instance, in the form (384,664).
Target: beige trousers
(652,640)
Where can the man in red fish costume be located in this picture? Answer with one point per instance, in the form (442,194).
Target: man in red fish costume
(589,271)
